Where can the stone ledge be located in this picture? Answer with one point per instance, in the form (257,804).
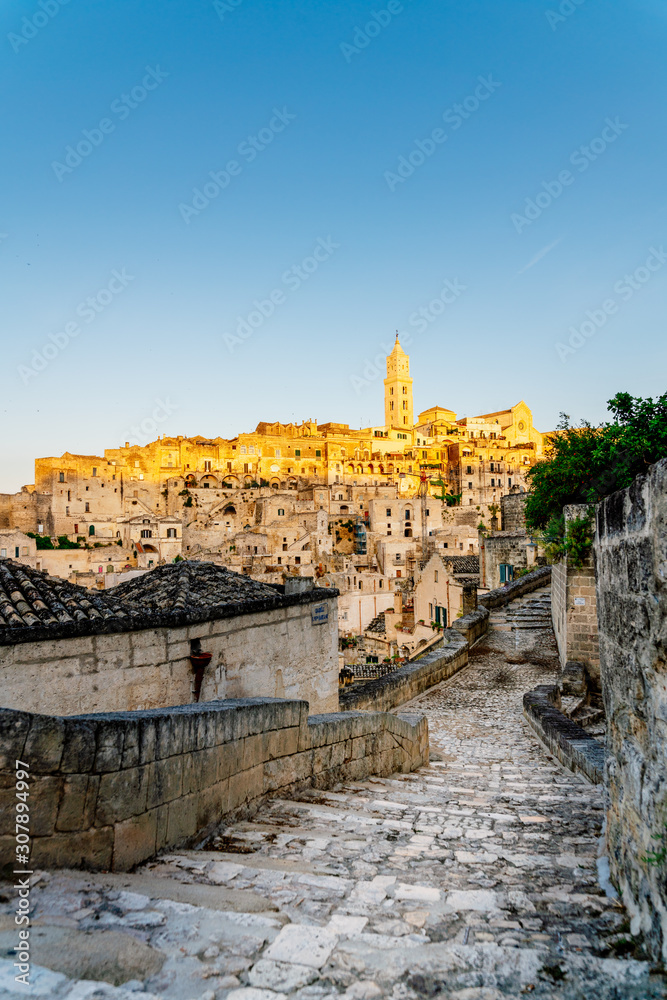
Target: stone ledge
(402,685)
(524,585)
(574,747)
(109,791)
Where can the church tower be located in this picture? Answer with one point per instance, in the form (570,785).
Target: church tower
(398,390)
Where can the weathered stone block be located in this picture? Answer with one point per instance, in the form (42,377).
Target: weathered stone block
(72,812)
(44,744)
(110,736)
(90,849)
(134,841)
(122,794)
(45,793)
(80,746)
(165,781)
(14,728)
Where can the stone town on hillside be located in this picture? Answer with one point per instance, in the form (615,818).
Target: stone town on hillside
(331,726)
(356,509)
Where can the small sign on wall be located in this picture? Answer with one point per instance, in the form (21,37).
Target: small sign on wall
(579,602)
(319,614)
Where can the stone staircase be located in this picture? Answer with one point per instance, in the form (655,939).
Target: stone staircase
(475,878)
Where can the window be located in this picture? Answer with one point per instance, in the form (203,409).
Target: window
(436,576)
(87,508)
(277,453)
(171,533)
(3,553)
(405,405)
(388,511)
(430,611)
(76,528)
(17,552)
(91,529)
(493,482)
(61,477)
(297,560)
(136,465)
(391,405)
(428,513)
(318,453)
(244,450)
(470,487)
(94,471)
(207,466)
(281,512)
(297,452)
(280,561)
(469,470)
(509,482)
(405,390)
(391,392)
(146,533)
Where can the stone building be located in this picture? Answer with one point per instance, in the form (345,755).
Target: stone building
(439,588)
(15,545)
(66,650)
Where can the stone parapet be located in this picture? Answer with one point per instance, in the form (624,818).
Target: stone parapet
(572,745)
(109,791)
(524,585)
(402,685)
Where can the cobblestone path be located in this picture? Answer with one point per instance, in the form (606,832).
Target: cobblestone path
(472,879)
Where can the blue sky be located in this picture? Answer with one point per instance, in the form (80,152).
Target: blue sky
(316,106)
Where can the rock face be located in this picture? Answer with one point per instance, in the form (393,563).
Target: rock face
(631,563)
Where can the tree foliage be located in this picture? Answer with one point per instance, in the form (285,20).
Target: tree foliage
(584,464)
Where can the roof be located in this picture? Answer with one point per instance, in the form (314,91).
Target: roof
(468,565)
(185,584)
(32,600)
(35,606)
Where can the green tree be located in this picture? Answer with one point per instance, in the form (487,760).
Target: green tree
(584,464)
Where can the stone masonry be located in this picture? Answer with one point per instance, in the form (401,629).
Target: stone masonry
(631,563)
(473,878)
(574,609)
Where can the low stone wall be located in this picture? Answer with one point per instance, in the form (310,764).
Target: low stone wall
(631,562)
(110,791)
(574,747)
(410,680)
(524,585)
(473,625)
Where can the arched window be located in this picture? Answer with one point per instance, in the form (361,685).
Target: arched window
(91,529)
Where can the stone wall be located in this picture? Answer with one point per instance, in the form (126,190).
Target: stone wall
(574,747)
(574,609)
(513,511)
(109,791)
(279,653)
(473,625)
(524,585)
(410,680)
(515,548)
(631,564)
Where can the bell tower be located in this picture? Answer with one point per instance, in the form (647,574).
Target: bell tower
(398,390)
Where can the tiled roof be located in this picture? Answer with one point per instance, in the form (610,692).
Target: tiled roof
(191,585)
(35,606)
(32,599)
(463,564)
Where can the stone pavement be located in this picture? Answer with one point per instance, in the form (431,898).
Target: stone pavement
(474,878)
